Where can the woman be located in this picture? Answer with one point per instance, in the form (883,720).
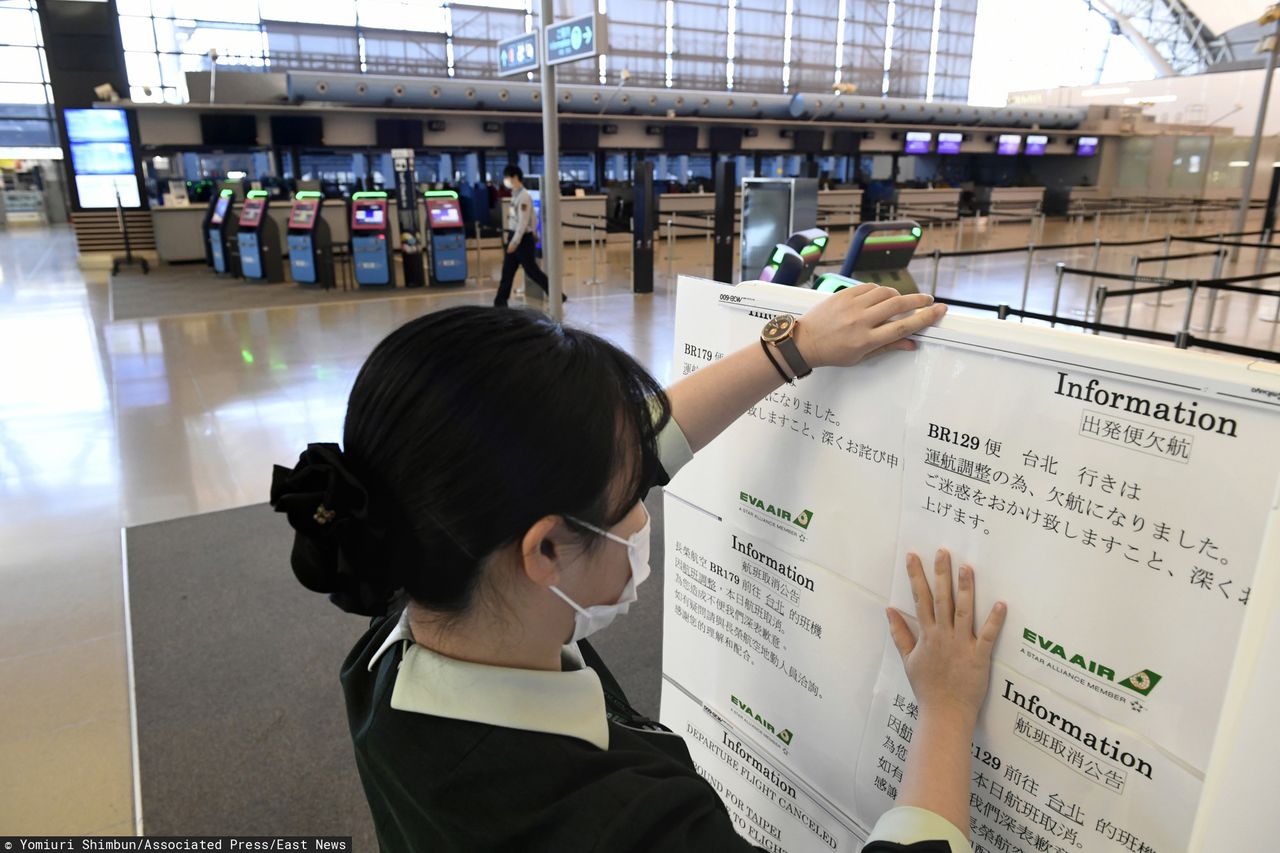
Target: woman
(486,510)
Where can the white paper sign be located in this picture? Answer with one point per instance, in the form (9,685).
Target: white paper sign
(1116,495)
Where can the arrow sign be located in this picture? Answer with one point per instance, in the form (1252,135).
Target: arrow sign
(574,39)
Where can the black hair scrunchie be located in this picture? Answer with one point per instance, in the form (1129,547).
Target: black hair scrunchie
(339,545)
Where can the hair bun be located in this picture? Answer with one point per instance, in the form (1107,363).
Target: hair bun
(338,548)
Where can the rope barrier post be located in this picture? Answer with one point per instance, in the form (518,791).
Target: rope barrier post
(593,279)
(1057,292)
(1128,308)
(933,281)
(1097,254)
(670,247)
(1101,297)
(1213,293)
(1159,302)
(1002,311)
(1146,220)
(1191,304)
(1097,225)
(1026,277)
(959,231)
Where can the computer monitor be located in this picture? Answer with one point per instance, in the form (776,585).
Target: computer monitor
(1035,145)
(1009,144)
(444,213)
(1087,146)
(251,212)
(369,214)
(949,143)
(302,216)
(220,210)
(918,142)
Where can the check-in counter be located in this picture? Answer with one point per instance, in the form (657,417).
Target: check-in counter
(938,203)
(1016,200)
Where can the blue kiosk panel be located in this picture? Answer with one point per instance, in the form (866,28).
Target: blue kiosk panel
(248,238)
(370,252)
(303,238)
(217,228)
(448,238)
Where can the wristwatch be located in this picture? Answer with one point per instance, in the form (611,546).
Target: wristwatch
(779,333)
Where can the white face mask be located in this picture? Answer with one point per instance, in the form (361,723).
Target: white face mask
(588,620)
(506,182)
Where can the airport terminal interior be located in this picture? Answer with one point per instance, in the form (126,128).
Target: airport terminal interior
(212,213)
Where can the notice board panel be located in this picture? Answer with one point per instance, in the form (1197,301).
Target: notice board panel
(1119,496)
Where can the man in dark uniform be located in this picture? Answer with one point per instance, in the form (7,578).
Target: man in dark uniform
(521,242)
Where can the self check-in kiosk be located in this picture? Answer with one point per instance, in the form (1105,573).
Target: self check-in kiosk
(309,241)
(880,252)
(219,230)
(447,237)
(259,240)
(370,229)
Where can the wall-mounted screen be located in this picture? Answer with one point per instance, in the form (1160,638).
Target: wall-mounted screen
(725,138)
(1009,144)
(1036,145)
(102,158)
(231,129)
(522,136)
(251,212)
(680,138)
(398,132)
(579,137)
(97,126)
(297,130)
(918,142)
(949,143)
(1087,146)
(809,141)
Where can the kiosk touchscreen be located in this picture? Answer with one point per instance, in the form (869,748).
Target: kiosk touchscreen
(217,231)
(310,244)
(447,238)
(880,253)
(370,252)
(259,240)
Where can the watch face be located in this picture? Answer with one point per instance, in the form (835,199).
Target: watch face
(779,328)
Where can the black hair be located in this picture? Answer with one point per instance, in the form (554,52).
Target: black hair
(513,171)
(464,428)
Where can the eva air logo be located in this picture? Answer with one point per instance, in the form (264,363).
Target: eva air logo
(800,519)
(786,735)
(1141,682)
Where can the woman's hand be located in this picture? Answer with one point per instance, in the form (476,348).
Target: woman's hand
(848,326)
(948,665)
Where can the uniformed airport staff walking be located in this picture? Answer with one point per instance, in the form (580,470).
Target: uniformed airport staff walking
(485,509)
(521,243)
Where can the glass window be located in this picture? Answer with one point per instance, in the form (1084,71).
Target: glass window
(17,26)
(20,65)
(423,16)
(1135,161)
(339,12)
(143,68)
(1190,163)
(232,11)
(22,93)
(137,33)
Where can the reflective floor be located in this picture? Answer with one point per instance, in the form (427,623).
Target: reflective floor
(108,425)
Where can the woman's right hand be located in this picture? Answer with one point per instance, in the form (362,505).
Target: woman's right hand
(948,665)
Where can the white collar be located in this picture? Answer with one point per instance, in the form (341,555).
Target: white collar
(569,702)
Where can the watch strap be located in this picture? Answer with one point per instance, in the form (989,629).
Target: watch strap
(778,367)
(791,353)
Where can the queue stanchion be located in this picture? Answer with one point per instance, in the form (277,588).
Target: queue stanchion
(476,224)
(670,249)
(1097,255)
(1164,273)
(1211,309)
(1057,291)
(933,281)
(959,232)
(593,279)
(1186,316)
(1026,277)
(1128,308)
(1100,300)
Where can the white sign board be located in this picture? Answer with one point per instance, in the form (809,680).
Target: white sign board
(1116,495)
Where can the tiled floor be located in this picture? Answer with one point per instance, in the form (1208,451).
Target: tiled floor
(107,425)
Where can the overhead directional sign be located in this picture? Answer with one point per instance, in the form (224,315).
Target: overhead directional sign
(574,39)
(518,55)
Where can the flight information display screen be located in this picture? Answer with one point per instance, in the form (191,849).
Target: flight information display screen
(1087,146)
(1010,143)
(918,142)
(1036,145)
(949,143)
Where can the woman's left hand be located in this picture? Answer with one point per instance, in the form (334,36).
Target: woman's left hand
(858,322)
